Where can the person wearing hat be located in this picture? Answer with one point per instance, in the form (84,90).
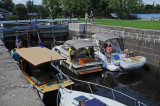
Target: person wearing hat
(108,51)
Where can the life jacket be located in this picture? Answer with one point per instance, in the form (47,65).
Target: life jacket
(70,51)
(89,51)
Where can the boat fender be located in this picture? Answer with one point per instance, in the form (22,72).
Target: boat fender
(60,62)
(70,65)
(117,63)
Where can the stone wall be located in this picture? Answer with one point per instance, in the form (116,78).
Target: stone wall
(11,81)
(144,42)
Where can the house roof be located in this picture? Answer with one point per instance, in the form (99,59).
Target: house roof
(3,10)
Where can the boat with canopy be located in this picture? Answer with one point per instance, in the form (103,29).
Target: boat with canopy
(83,61)
(35,63)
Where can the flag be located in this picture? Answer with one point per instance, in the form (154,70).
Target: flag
(39,40)
(16,42)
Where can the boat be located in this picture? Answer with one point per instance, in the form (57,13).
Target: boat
(35,63)
(82,63)
(119,61)
(110,97)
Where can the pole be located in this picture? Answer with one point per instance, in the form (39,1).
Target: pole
(27,35)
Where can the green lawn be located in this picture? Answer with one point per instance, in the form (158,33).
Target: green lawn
(144,24)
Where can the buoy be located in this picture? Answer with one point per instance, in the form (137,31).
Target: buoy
(70,65)
(60,62)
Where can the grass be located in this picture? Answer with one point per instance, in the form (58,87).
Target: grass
(143,24)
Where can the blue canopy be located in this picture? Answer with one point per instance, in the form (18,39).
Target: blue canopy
(95,102)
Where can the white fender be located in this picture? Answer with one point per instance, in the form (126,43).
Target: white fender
(60,62)
(70,65)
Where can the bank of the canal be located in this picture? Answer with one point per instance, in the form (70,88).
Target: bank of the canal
(11,81)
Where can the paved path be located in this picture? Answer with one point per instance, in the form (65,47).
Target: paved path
(11,80)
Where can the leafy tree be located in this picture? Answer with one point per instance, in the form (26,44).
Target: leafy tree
(123,8)
(7,4)
(20,11)
(53,7)
(41,11)
(30,6)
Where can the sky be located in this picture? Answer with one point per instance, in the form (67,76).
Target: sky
(39,1)
(24,1)
(151,1)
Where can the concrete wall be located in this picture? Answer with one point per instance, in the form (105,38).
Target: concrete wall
(76,29)
(1,33)
(144,42)
(11,81)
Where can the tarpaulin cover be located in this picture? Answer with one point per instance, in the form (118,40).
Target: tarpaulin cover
(38,55)
(80,43)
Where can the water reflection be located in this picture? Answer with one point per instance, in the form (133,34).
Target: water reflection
(139,84)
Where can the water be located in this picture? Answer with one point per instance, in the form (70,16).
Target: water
(143,85)
(148,16)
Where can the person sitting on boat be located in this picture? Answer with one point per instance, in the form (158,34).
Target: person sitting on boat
(82,103)
(15,55)
(126,52)
(109,50)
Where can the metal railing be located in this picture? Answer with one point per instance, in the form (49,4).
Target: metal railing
(113,91)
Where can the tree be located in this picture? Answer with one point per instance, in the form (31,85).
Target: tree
(41,11)
(30,6)
(7,4)
(20,11)
(53,7)
(123,8)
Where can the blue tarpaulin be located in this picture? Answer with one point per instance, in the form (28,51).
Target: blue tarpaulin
(80,98)
(116,57)
(94,102)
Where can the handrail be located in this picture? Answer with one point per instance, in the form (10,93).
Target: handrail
(110,89)
(113,90)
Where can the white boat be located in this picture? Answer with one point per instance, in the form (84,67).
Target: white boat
(82,62)
(121,62)
(67,97)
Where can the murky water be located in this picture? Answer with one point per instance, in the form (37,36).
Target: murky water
(140,84)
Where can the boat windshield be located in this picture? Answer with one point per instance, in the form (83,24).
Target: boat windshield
(116,44)
(65,46)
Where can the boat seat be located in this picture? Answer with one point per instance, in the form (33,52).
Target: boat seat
(53,75)
(36,80)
